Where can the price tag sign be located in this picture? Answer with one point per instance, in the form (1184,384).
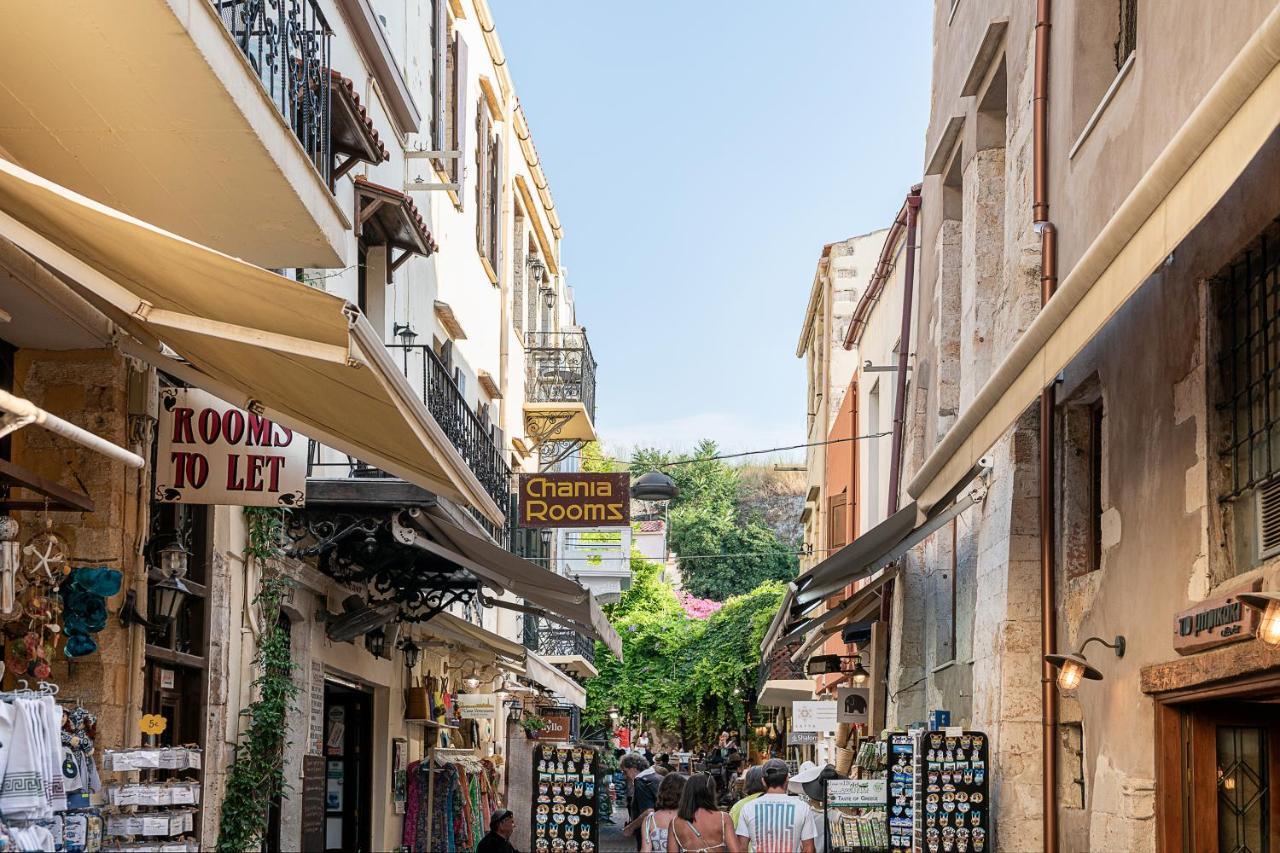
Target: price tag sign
(152,724)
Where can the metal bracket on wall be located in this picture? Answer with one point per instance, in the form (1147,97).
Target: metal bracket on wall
(418,183)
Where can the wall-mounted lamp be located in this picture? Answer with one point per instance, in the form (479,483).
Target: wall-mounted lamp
(537,267)
(376,642)
(405,333)
(1269,604)
(1074,667)
(548,296)
(614,717)
(412,653)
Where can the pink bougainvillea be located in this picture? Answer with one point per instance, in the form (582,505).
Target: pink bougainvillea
(698,608)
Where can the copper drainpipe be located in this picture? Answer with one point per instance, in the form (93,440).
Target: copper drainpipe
(1048,284)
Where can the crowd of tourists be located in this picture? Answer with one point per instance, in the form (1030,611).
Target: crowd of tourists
(758,809)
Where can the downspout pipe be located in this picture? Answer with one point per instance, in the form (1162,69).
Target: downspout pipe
(904,353)
(1048,284)
(912,206)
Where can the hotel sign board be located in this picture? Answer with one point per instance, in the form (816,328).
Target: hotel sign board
(1215,622)
(575,500)
(210,452)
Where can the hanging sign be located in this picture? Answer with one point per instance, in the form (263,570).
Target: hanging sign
(1215,622)
(557,728)
(475,706)
(210,452)
(801,738)
(813,716)
(852,704)
(575,500)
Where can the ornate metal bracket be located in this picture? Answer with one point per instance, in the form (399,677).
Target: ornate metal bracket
(542,427)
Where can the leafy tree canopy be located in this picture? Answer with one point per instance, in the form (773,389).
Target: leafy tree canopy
(725,547)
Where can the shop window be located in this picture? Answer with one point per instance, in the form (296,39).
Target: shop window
(1081,463)
(1245,386)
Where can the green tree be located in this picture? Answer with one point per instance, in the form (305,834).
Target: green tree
(724,547)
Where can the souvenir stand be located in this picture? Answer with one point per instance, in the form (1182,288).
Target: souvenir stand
(565,808)
(855,809)
(451,792)
(953,767)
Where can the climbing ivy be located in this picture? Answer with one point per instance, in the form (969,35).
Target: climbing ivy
(257,775)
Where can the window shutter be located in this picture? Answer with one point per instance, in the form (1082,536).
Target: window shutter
(837,507)
(439,73)
(482,177)
(1268,509)
(460,114)
(495,199)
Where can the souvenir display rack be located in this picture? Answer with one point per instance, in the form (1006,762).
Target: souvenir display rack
(153,816)
(902,801)
(565,817)
(957,801)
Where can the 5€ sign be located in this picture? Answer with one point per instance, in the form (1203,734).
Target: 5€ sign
(152,724)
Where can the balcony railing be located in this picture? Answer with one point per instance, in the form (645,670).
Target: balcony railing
(561,369)
(552,640)
(471,435)
(287,43)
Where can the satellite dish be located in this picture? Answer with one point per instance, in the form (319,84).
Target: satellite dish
(358,618)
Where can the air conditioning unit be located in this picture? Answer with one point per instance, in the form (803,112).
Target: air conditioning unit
(1266,499)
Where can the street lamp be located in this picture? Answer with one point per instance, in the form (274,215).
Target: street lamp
(405,332)
(654,486)
(412,653)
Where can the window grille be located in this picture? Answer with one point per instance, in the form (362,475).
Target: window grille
(1248,292)
(1127,35)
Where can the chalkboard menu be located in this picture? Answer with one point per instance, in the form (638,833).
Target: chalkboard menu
(313,802)
(957,802)
(565,817)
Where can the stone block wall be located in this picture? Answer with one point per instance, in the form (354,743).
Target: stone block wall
(89,388)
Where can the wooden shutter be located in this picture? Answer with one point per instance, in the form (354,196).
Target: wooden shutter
(495,199)
(837,512)
(482,178)
(460,115)
(439,75)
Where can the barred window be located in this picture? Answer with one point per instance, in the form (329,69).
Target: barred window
(1248,295)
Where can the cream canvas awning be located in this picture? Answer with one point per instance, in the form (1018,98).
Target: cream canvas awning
(781,692)
(1202,161)
(538,669)
(450,627)
(545,592)
(302,357)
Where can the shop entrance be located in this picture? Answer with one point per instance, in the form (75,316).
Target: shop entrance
(1223,778)
(348,748)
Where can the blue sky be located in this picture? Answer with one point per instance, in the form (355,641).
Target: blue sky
(700,154)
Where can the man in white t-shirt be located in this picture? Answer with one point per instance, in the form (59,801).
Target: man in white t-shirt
(775,822)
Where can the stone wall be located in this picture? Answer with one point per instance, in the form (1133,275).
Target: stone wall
(89,388)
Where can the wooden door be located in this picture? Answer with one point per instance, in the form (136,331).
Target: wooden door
(1232,801)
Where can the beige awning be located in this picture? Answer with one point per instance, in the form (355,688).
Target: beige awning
(538,669)
(864,602)
(546,592)
(450,627)
(1201,162)
(305,358)
(781,692)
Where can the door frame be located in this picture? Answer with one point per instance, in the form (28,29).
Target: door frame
(1177,826)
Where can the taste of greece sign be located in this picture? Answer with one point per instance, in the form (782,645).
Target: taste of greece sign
(210,452)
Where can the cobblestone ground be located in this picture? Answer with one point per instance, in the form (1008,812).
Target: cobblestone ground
(611,838)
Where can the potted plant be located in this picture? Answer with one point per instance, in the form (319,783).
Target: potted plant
(532,724)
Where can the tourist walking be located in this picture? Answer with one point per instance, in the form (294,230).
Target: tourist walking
(643,781)
(700,826)
(752,787)
(653,833)
(775,822)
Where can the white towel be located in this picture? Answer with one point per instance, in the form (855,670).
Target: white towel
(53,752)
(23,794)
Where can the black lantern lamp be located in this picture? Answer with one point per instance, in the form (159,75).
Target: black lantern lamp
(412,653)
(376,642)
(654,486)
(168,596)
(405,332)
(1074,667)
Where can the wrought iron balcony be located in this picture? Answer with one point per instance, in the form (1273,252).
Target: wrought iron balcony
(472,435)
(555,641)
(287,43)
(561,369)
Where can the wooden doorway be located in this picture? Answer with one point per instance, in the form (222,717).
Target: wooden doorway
(1218,760)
